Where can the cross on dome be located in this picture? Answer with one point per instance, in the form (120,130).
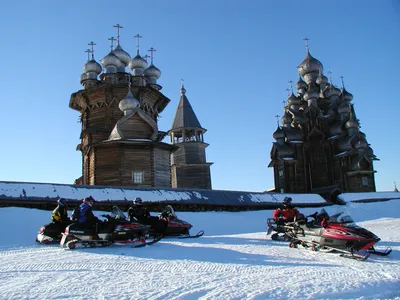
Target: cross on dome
(151,50)
(112,39)
(118,28)
(92,44)
(138,36)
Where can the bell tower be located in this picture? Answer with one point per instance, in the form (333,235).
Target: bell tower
(189,168)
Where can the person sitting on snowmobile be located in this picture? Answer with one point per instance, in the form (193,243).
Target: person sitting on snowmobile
(60,213)
(287,214)
(322,218)
(168,213)
(138,212)
(86,217)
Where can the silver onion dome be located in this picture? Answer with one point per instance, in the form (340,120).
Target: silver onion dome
(138,62)
(332,90)
(352,123)
(278,134)
(293,100)
(128,103)
(111,60)
(122,55)
(92,66)
(301,84)
(343,108)
(322,79)
(152,71)
(311,94)
(309,65)
(346,95)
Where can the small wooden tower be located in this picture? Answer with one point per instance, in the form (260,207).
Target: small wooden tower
(189,168)
(121,143)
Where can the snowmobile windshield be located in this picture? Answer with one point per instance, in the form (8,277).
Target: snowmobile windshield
(342,216)
(117,213)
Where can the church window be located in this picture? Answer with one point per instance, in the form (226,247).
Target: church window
(137,177)
(364,180)
(280,173)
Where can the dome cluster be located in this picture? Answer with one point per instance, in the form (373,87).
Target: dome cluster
(116,62)
(319,110)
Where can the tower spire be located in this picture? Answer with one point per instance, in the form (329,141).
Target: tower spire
(138,36)
(118,28)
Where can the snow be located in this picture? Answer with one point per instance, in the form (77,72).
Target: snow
(233,260)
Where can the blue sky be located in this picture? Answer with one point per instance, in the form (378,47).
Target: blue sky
(236,58)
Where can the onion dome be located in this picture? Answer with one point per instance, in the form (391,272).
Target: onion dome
(301,85)
(152,71)
(346,95)
(298,119)
(124,57)
(92,66)
(352,123)
(128,103)
(138,62)
(311,94)
(111,62)
(361,144)
(278,134)
(332,90)
(322,79)
(293,100)
(309,65)
(344,108)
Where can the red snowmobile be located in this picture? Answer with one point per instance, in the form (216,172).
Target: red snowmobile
(117,229)
(339,234)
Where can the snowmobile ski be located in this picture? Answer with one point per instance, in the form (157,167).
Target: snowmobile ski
(152,242)
(188,236)
(356,256)
(386,252)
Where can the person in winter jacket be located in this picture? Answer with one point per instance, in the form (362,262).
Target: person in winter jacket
(138,212)
(168,213)
(86,217)
(60,213)
(287,213)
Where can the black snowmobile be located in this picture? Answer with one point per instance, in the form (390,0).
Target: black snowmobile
(51,233)
(168,224)
(117,229)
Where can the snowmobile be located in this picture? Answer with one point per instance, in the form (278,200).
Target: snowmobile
(168,224)
(340,234)
(116,229)
(51,233)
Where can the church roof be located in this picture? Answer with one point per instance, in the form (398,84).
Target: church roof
(185,116)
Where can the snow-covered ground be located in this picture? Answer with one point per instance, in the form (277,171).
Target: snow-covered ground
(233,260)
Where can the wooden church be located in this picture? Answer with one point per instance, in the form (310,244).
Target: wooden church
(319,147)
(121,143)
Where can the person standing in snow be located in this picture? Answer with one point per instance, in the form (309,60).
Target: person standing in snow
(287,213)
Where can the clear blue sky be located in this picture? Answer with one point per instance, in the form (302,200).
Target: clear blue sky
(236,58)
